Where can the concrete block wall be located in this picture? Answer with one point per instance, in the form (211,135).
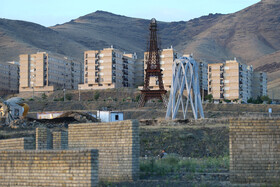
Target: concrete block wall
(118,145)
(254,150)
(17,143)
(43,138)
(60,139)
(48,168)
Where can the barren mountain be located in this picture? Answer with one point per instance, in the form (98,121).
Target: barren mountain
(251,35)
(18,37)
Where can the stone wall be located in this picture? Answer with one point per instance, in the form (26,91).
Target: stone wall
(254,150)
(43,138)
(118,145)
(17,143)
(60,140)
(48,168)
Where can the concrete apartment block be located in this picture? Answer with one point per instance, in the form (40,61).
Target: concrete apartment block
(17,143)
(215,80)
(45,72)
(259,84)
(48,168)
(167,57)
(203,77)
(254,151)
(139,72)
(231,80)
(43,138)
(118,145)
(9,78)
(60,139)
(110,68)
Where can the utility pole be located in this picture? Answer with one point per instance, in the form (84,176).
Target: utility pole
(64,94)
(79,94)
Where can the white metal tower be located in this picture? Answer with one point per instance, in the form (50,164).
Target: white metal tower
(184,89)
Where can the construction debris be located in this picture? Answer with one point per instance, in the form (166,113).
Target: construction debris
(63,120)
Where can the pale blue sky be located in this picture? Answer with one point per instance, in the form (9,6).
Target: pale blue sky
(51,12)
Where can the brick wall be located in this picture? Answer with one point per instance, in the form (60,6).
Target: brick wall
(43,138)
(60,140)
(118,146)
(48,168)
(254,150)
(17,143)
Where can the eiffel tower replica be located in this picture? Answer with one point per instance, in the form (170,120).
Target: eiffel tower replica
(153,70)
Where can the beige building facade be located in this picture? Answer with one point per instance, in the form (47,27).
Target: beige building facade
(215,80)
(43,72)
(9,78)
(233,80)
(109,68)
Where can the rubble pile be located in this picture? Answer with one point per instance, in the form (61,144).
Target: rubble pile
(61,121)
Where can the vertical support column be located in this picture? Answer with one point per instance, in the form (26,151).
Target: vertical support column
(60,140)
(43,138)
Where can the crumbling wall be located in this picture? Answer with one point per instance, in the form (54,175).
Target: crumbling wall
(17,143)
(118,146)
(48,168)
(254,150)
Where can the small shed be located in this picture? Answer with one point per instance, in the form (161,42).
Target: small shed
(110,116)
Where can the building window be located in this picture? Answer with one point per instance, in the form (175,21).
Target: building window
(116,117)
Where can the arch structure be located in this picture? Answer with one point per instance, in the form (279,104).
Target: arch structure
(185,89)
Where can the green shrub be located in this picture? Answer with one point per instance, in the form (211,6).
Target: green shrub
(137,98)
(209,98)
(174,163)
(44,96)
(68,96)
(96,96)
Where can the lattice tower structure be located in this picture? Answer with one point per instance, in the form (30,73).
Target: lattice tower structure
(153,70)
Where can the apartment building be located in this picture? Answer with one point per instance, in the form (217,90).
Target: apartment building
(43,72)
(230,80)
(203,77)
(167,57)
(9,78)
(109,68)
(139,72)
(215,80)
(259,84)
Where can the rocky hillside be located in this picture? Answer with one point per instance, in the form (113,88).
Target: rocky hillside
(17,37)
(251,35)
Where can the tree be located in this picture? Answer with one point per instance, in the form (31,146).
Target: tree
(44,96)
(209,97)
(96,96)
(250,100)
(266,99)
